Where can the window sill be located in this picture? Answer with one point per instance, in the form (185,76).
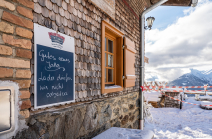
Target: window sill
(111,90)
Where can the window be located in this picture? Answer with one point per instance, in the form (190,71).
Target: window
(116,61)
(109,60)
(112,58)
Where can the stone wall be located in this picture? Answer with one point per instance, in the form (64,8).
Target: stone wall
(171,102)
(86,120)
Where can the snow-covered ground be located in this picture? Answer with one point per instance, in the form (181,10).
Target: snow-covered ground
(188,123)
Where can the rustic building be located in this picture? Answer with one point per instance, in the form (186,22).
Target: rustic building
(100,29)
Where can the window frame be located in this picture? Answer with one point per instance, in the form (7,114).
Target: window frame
(110,31)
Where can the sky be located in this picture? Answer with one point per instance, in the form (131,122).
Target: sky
(180,39)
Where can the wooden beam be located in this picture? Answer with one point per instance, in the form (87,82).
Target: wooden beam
(174,2)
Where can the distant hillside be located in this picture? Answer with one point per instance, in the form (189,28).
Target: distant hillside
(195,78)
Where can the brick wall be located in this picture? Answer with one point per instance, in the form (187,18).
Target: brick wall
(15,46)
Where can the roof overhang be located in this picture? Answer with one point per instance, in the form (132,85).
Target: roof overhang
(138,6)
(174,2)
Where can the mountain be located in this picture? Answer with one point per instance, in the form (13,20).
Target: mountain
(204,75)
(194,78)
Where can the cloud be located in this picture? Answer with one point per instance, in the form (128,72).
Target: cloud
(185,44)
(165,74)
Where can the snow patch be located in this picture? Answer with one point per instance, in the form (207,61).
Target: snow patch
(125,133)
(114,86)
(188,123)
(205,97)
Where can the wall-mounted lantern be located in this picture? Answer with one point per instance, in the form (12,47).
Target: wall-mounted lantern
(194,3)
(150,21)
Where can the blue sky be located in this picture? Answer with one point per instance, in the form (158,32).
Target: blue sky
(166,15)
(180,39)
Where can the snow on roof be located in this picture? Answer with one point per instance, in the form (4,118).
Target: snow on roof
(203,103)
(152,96)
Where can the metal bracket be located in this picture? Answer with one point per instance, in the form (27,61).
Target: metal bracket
(123,77)
(136,66)
(123,47)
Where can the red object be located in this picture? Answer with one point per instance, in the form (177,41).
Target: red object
(142,88)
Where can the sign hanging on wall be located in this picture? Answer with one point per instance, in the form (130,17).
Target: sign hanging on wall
(54,67)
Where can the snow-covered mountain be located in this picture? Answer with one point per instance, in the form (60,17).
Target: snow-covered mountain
(204,75)
(194,78)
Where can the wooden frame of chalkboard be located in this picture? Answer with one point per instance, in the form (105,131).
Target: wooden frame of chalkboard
(54,68)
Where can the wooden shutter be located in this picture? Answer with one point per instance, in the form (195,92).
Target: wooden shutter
(129,63)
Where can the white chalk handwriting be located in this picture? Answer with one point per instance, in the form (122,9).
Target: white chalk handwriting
(57,87)
(43,55)
(53,67)
(62,78)
(44,87)
(63,59)
(46,78)
(56,94)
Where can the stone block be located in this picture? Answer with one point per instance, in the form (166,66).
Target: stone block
(25,113)
(25,95)
(7,5)
(23,74)
(136,124)
(91,117)
(125,120)
(24,53)
(5,27)
(17,20)
(71,122)
(5,50)
(8,39)
(117,124)
(116,111)
(15,63)
(25,12)
(27,3)
(105,115)
(4,72)
(25,104)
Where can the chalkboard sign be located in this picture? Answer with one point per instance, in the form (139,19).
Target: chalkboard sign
(54,67)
